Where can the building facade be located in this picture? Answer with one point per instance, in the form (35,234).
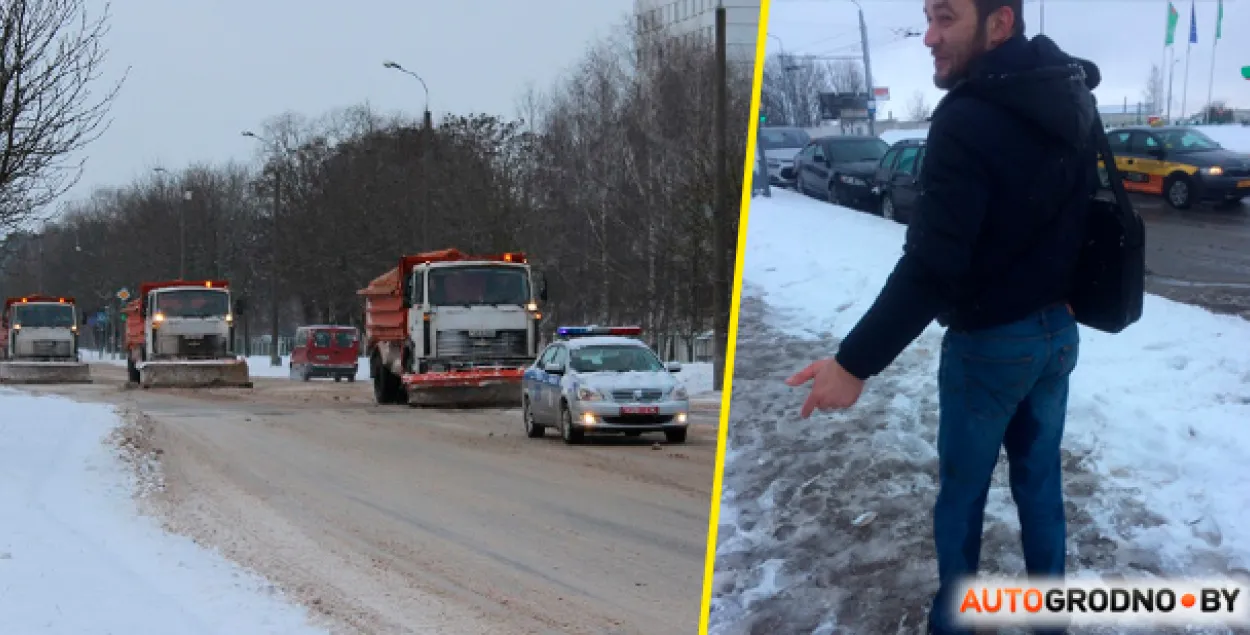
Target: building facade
(697,18)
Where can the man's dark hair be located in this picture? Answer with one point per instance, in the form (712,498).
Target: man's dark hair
(986,7)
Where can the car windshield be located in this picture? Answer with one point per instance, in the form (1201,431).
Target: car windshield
(614,359)
(480,285)
(772,138)
(44,315)
(333,338)
(193,303)
(1186,141)
(855,150)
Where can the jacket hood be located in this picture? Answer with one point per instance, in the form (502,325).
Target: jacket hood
(1037,81)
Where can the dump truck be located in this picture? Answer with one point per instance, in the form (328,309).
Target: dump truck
(41,342)
(180,334)
(444,328)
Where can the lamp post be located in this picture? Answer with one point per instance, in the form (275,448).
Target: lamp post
(275,360)
(428,123)
(182,228)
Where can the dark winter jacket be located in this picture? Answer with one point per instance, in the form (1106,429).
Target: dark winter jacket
(1005,185)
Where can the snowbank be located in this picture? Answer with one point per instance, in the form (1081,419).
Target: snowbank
(696,376)
(1159,418)
(76,556)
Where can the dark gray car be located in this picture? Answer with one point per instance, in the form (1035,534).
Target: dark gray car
(816,166)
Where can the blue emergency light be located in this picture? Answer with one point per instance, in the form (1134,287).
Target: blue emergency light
(567,332)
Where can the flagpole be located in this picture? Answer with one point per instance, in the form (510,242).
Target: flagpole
(1188,48)
(1215,41)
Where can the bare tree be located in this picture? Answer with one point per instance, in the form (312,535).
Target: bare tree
(51,52)
(847,76)
(918,108)
(1153,96)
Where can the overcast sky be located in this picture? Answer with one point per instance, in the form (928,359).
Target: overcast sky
(1124,37)
(203,71)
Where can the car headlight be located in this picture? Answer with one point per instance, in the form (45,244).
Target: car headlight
(680,393)
(1214,170)
(588,394)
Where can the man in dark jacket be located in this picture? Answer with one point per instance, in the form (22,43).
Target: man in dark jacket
(1006,182)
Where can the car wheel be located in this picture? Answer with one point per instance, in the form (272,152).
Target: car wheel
(532,430)
(887,208)
(835,193)
(570,433)
(1179,190)
(675,436)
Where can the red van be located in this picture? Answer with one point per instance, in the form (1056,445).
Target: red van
(325,351)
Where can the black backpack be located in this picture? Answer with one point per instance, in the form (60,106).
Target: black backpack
(1109,287)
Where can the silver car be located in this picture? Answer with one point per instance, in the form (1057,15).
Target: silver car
(603,383)
(780,145)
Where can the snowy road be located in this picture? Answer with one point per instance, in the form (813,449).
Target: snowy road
(77,558)
(402,520)
(1154,454)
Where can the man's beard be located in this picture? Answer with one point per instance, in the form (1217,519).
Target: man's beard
(980,47)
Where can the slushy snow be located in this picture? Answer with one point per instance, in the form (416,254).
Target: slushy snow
(826,523)
(77,557)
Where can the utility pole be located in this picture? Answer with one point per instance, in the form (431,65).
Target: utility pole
(182,236)
(275,358)
(872,101)
(720,215)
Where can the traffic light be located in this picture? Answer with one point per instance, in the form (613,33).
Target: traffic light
(764,117)
(1245,72)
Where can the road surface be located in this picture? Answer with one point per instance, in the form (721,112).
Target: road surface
(1200,256)
(401,520)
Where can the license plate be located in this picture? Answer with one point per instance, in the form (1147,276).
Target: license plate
(323,357)
(640,410)
(1245,183)
(193,338)
(481,334)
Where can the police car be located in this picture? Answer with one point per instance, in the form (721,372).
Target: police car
(603,379)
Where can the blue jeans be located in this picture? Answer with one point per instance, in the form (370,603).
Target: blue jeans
(1005,386)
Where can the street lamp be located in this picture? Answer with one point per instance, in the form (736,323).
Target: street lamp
(395,66)
(182,229)
(428,121)
(275,360)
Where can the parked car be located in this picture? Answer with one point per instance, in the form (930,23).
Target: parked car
(1179,163)
(896,182)
(817,165)
(780,144)
(325,351)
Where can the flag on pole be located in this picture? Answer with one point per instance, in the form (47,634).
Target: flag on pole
(1173,19)
(1219,20)
(1193,23)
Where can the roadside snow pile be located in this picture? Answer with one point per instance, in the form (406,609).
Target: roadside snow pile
(77,557)
(696,377)
(1155,450)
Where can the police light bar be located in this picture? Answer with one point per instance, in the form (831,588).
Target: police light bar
(565,332)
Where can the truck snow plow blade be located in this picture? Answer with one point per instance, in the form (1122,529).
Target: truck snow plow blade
(479,388)
(17,372)
(195,374)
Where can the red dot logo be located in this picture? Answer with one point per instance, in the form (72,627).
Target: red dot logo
(1188,600)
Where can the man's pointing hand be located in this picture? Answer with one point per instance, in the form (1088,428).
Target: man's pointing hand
(833,388)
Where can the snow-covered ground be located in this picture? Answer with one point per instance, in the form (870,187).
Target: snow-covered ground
(1155,455)
(696,377)
(78,558)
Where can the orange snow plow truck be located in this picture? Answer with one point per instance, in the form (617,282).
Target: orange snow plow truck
(40,344)
(444,328)
(180,333)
